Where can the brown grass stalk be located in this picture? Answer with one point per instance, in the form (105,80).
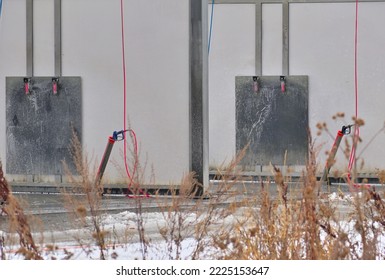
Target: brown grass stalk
(18,221)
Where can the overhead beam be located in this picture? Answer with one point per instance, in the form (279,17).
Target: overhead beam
(290,1)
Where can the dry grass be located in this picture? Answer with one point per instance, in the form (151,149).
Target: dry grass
(84,202)
(306,224)
(279,221)
(18,222)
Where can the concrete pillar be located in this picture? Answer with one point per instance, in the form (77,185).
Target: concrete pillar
(199,122)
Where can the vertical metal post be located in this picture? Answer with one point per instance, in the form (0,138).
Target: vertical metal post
(199,138)
(29,32)
(258,38)
(285,37)
(57,28)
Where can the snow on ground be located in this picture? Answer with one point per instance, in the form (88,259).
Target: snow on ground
(124,243)
(126,246)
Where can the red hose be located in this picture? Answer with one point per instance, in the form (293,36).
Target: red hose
(356,135)
(132,132)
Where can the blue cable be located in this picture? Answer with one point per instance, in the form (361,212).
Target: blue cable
(1,4)
(211,24)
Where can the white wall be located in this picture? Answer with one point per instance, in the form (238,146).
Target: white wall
(232,53)
(12,55)
(157,57)
(321,38)
(322,46)
(271,39)
(43,39)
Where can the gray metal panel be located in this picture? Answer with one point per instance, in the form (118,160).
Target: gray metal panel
(285,38)
(57,28)
(258,39)
(29,37)
(272,122)
(40,125)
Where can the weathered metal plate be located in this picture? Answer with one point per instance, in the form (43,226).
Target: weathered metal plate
(273,123)
(40,125)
